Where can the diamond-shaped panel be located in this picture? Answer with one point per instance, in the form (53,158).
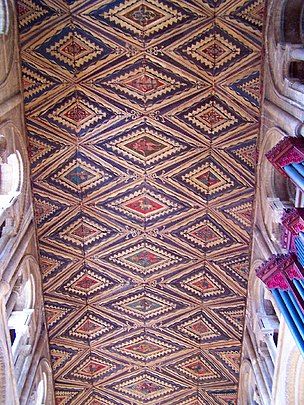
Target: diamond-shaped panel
(87,282)
(92,368)
(145,145)
(145,259)
(73,49)
(77,114)
(211,117)
(146,205)
(82,232)
(203,284)
(146,386)
(145,304)
(90,326)
(199,369)
(79,175)
(146,20)
(199,328)
(205,234)
(145,347)
(214,50)
(208,179)
(145,83)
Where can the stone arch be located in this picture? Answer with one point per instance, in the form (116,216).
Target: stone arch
(276,192)
(260,298)
(42,388)
(280,52)
(247,387)
(294,70)
(13,188)
(263,321)
(294,378)
(11,174)
(25,315)
(7,38)
(273,183)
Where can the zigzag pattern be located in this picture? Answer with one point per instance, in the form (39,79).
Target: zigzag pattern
(142,120)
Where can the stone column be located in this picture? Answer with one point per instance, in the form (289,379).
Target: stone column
(263,388)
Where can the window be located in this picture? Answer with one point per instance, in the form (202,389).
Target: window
(265,321)
(4,20)
(11,181)
(296,71)
(22,318)
(248,390)
(7,38)
(11,174)
(42,391)
(293,22)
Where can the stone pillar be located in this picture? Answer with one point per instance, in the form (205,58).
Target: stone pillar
(263,388)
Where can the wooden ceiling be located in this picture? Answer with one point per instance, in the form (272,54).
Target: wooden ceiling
(142,119)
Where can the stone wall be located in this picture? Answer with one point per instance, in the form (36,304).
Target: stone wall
(269,352)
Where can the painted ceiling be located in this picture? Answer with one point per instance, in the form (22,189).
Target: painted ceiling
(142,119)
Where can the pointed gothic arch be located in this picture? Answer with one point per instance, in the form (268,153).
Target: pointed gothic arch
(7,38)
(13,188)
(24,317)
(41,390)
